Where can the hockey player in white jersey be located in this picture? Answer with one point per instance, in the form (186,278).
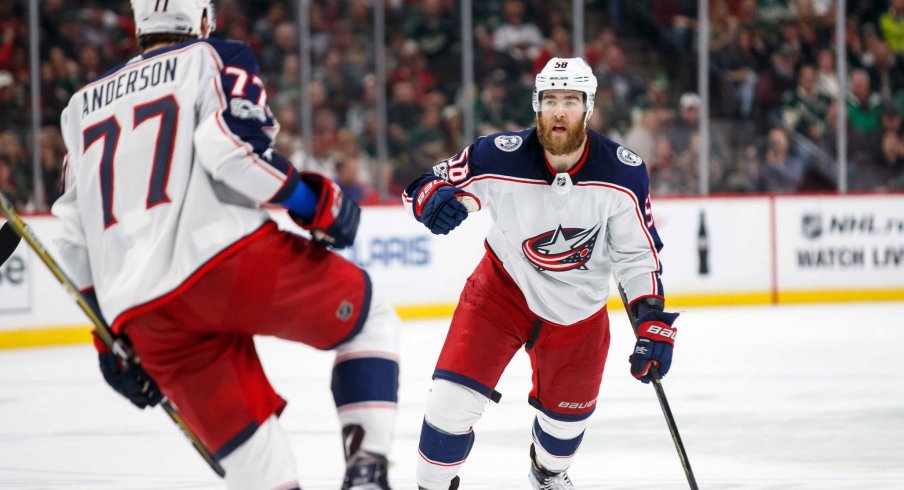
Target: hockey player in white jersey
(168,166)
(569,207)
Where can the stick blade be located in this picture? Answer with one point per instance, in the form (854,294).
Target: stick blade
(8,242)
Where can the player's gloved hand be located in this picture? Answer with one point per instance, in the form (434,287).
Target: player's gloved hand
(438,209)
(128,379)
(336,218)
(655,341)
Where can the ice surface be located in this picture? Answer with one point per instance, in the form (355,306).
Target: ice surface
(790,397)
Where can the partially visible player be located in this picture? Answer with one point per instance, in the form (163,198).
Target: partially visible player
(569,207)
(169,162)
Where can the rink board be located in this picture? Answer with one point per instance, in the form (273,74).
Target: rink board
(718,251)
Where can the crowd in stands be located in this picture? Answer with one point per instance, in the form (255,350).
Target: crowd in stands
(772,76)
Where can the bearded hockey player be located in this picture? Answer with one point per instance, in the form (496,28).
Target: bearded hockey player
(169,162)
(569,208)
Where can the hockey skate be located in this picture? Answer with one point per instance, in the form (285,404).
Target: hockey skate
(542,479)
(363,470)
(452,486)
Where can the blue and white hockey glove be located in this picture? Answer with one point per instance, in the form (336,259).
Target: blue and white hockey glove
(437,206)
(655,342)
(336,218)
(129,380)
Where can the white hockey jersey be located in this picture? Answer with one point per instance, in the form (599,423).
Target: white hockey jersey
(168,158)
(561,235)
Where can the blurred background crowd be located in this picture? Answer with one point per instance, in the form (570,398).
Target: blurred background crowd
(772,85)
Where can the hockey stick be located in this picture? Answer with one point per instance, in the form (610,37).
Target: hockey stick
(664,403)
(8,242)
(119,347)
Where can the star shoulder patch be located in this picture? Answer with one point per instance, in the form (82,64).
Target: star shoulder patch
(628,157)
(508,142)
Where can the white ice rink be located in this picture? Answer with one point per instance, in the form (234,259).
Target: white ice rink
(791,397)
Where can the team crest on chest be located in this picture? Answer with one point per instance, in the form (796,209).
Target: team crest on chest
(562,249)
(508,142)
(628,157)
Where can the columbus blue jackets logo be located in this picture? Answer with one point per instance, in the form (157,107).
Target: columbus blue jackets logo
(508,142)
(562,249)
(628,157)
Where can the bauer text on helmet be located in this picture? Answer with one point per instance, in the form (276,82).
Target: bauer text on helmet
(566,74)
(173,16)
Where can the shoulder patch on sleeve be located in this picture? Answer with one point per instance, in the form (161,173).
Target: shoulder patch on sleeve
(508,142)
(628,157)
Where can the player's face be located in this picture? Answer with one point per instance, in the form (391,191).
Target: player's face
(560,122)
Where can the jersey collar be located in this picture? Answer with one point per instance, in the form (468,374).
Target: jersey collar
(577,167)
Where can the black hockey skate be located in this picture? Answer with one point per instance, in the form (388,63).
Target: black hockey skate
(363,470)
(452,486)
(542,479)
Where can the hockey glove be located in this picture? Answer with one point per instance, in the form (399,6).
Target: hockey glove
(128,379)
(655,341)
(438,209)
(336,218)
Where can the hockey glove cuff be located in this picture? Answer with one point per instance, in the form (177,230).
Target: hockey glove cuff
(437,206)
(655,342)
(336,218)
(128,379)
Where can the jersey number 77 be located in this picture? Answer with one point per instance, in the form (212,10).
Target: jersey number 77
(167,109)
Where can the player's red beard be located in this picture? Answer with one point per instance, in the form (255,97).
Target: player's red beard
(574,136)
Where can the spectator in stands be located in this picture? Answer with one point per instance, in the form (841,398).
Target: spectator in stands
(625,83)
(434,30)
(826,75)
(892,25)
(264,28)
(656,99)
(516,36)
(452,128)
(12,104)
(679,132)
(284,43)
(559,45)
(887,71)
(8,184)
(739,62)
(493,110)
(348,170)
(641,138)
(863,104)
(52,151)
(805,108)
(600,123)
(772,12)
(779,170)
(771,85)
(891,156)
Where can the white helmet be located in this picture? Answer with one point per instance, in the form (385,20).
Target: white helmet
(566,74)
(172,16)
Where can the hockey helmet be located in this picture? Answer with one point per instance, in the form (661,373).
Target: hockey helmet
(566,74)
(172,16)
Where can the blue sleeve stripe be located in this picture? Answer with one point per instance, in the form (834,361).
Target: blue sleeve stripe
(365,379)
(444,449)
(301,201)
(557,447)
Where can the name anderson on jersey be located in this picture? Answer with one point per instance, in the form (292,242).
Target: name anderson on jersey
(129,82)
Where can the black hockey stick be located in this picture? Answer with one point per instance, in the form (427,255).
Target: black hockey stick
(664,403)
(8,242)
(103,330)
